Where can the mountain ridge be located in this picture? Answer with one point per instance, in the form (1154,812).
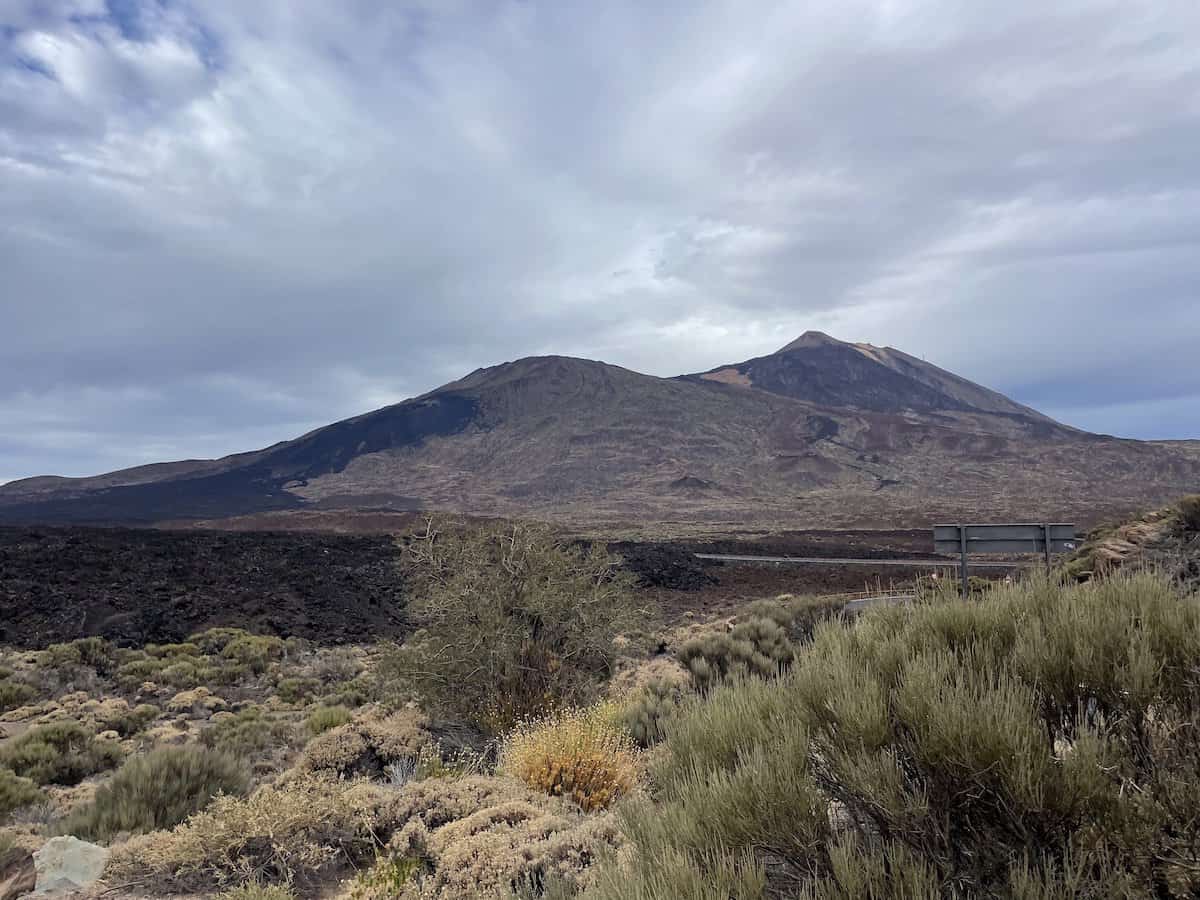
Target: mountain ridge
(822,431)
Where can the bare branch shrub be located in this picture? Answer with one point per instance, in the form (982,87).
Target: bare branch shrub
(514,621)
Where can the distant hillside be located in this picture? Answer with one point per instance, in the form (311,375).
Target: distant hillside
(820,433)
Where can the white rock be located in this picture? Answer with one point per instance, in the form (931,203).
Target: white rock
(66,865)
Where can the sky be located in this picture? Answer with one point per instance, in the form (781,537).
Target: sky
(224,223)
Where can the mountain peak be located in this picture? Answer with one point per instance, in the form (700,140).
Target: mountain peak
(812,339)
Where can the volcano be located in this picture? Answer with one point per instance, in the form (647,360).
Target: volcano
(821,433)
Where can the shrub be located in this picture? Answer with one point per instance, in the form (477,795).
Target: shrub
(131,673)
(257,891)
(253,651)
(1189,512)
(324,718)
(386,879)
(59,753)
(15,793)
(14,694)
(648,714)
(336,666)
(798,616)
(480,837)
(173,651)
(188,673)
(366,747)
(514,622)
(157,791)
(763,642)
(248,733)
(215,640)
(354,693)
(1041,744)
(756,646)
(280,833)
(578,754)
(293,690)
(128,722)
(93,652)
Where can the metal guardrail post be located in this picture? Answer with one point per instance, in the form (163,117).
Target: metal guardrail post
(962,542)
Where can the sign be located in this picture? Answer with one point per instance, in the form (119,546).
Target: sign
(1008,538)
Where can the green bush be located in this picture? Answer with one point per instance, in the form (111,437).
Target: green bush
(157,791)
(130,722)
(324,718)
(173,651)
(215,640)
(756,646)
(15,793)
(513,621)
(59,753)
(14,693)
(248,733)
(139,668)
(762,643)
(651,710)
(254,651)
(354,693)
(294,690)
(1189,512)
(1044,743)
(94,652)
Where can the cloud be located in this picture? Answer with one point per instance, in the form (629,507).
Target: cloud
(222,223)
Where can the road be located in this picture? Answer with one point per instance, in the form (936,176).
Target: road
(841,561)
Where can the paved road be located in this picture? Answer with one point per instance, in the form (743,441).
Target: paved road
(839,561)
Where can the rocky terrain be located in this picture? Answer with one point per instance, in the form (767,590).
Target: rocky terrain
(134,586)
(820,434)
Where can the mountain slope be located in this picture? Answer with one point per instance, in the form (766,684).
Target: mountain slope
(820,433)
(821,369)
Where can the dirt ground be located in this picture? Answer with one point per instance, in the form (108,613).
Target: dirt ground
(135,586)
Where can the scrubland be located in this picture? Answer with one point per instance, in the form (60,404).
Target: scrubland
(543,734)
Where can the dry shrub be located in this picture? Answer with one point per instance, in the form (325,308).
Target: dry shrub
(366,747)
(483,837)
(582,755)
(514,622)
(282,833)
(156,791)
(1041,744)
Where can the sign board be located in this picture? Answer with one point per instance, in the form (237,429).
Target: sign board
(1004,538)
(1008,538)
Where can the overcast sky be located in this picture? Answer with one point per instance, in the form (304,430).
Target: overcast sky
(225,222)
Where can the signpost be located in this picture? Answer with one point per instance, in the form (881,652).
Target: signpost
(1019,538)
